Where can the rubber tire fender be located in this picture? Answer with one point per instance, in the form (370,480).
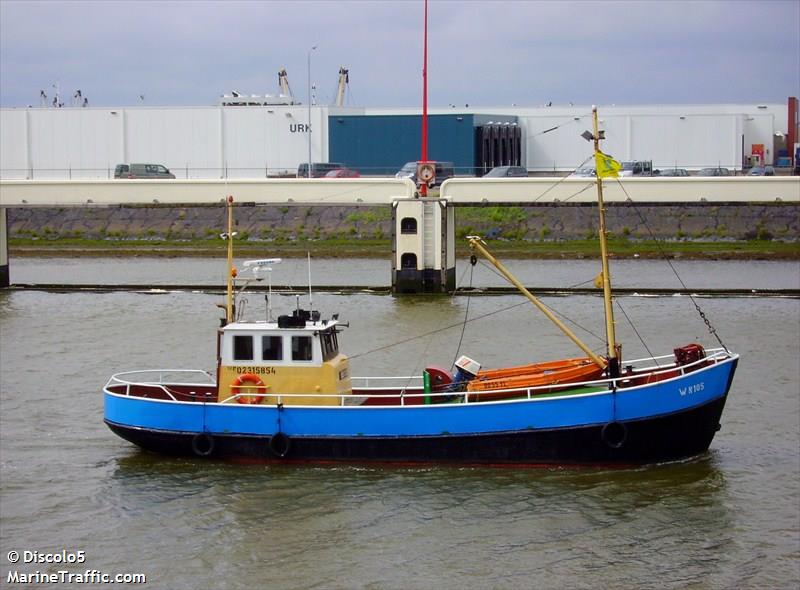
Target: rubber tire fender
(614,434)
(203,444)
(279,444)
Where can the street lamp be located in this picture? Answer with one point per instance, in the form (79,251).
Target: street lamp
(308,129)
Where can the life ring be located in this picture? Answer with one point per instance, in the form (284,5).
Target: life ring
(240,381)
(202,444)
(279,444)
(426,172)
(614,434)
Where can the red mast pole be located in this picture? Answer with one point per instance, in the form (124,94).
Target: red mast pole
(791,133)
(424,153)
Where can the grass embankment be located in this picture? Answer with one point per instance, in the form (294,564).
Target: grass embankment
(381,248)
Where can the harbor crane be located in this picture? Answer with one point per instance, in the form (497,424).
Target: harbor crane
(344,80)
(283,83)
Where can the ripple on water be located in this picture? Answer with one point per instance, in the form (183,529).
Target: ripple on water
(727,519)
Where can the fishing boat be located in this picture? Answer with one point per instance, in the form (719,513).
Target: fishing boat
(283,391)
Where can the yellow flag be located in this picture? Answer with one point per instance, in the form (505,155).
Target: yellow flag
(598,281)
(606,165)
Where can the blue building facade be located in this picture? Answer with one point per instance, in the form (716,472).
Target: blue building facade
(381,144)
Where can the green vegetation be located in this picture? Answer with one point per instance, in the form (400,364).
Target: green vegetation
(372,215)
(496,215)
(373,245)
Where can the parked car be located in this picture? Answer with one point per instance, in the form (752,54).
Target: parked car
(343,173)
(637,168)
(318,169)
(142,171)
(507,172)
(761,171)
(444,170)
(584,173)
(714,172)
(672,172)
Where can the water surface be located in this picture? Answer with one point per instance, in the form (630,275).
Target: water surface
(727,519)
(629,273)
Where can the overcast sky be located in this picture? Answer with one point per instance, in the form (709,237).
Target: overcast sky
(488,52)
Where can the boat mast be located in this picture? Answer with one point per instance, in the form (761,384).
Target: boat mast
(613,361)
(424,147)
(476,243)
(229,237)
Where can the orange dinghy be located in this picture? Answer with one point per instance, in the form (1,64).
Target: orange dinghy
(495,384)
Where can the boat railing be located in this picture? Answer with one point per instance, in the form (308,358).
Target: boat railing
(343,399)
(408,390)
(162,380)
(666,362)
(661,365)
(669,370)
(714,354)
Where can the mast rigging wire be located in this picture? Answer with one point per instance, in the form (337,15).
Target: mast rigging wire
(466,312)
(424,352)
(635,331)
(562,179)
(657,242)
(551,309)
(474,319)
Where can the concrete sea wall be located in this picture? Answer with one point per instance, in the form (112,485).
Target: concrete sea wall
(701,222)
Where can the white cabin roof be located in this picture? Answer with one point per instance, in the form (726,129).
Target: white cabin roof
(264,326)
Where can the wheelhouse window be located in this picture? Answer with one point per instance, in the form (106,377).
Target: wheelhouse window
(271,348)
(330,344)
(301,348)
(243,348)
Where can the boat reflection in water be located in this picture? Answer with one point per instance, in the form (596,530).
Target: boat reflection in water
(283,392)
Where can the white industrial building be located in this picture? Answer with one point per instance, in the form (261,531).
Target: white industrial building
(227,141)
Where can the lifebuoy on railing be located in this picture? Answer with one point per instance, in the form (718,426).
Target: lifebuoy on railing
(242,381)
(279,444)
(202,444)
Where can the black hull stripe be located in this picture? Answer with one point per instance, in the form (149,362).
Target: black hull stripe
(663,438)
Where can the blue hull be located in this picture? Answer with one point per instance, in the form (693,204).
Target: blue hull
(662,421)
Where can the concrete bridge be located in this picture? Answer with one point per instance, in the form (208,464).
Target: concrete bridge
(374,191)
(423,252)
